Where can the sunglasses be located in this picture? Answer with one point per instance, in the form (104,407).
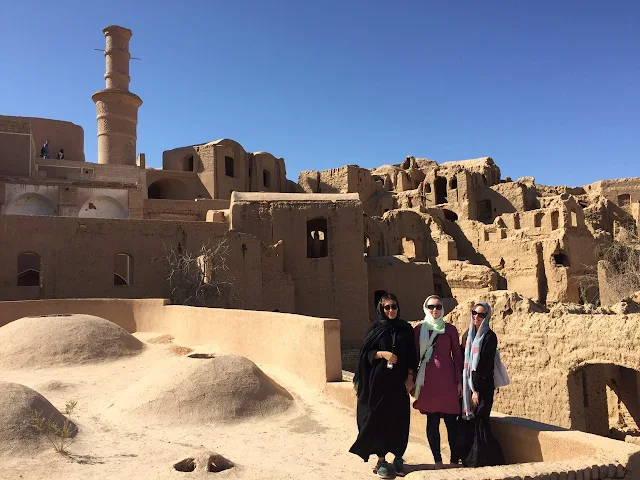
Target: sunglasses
(478,314)
(390,307)
(437,307)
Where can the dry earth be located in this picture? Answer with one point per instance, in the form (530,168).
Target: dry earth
(307,436)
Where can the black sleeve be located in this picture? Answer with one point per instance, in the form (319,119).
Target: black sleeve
(371,354)
(483,376)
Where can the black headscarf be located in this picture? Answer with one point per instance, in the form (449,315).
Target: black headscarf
(375,333)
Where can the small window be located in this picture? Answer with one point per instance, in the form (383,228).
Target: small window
(122,270)
(449,215)
(377,295)
(624,200)
(427,187)
(537,220)
(453,184)
(28,269)
(516,221)
(409,248)
(555,217)
(367,246)
(188,164)
(317,244)
(228,166)
(266,178)
(561,259)
(574,218)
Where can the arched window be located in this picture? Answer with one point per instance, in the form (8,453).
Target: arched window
(427,187)
(367,246)
(28,269)
(317,242)
(516,221)
(574,218)
(122,270)
(453,183)
(266,178)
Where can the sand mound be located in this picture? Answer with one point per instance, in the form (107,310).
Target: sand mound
(63,340)
(224,389)
(17,404)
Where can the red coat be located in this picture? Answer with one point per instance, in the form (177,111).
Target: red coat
(443,373)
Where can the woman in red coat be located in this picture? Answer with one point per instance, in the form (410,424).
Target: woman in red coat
(439,378)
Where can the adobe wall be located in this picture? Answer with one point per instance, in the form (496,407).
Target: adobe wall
(22,137)
(411,282)
(77,258)
(612,190)
(182,210)
(546,354)
(308,347)
(334,285)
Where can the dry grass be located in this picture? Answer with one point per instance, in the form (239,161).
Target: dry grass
(59,437)
(180,350)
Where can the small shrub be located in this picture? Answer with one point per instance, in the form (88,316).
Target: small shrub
(59,437)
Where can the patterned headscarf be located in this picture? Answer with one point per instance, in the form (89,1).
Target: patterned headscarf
(471,358)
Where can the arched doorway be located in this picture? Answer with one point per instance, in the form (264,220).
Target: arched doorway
(604,399)
(169,189)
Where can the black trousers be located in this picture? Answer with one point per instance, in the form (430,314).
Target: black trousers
(433,434)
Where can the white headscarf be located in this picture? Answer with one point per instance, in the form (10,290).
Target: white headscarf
(430,328)
(471,358)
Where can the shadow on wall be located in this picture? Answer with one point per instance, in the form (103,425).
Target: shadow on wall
(604,399)
(528,447)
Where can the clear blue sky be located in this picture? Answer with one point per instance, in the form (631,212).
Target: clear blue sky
(549,89)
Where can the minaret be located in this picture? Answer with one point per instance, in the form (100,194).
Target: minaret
(116,107)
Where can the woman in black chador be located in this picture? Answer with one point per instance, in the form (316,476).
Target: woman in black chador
(383,379)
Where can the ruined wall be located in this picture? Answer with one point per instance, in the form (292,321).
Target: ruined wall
(550,357)
(624,192)
(411,282)
(77,258)
(330,281)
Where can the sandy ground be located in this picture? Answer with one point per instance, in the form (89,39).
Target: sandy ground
(309,441)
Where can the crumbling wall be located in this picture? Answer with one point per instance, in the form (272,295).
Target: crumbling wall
(546,356)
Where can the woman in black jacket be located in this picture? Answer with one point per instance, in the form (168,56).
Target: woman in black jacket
(479,447)
(383,379)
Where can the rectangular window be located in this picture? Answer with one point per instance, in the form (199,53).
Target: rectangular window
(228,166)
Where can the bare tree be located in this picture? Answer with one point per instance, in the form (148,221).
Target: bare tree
(621,259)
(198,278)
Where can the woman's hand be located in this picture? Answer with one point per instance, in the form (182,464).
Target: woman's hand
(409,384)
(459,390)
(389,357)
(475,399)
